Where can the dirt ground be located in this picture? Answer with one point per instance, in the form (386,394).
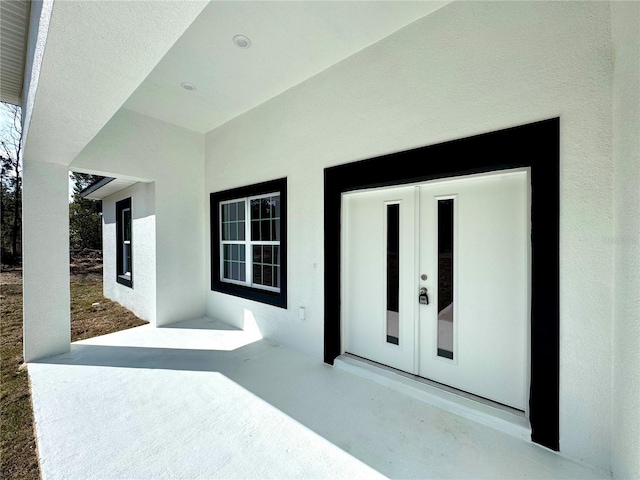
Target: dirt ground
(91,315)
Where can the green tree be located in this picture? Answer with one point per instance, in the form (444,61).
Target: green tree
(11,184)
(85,226)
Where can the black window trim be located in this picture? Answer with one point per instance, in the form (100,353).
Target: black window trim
(126,280)
(277,299)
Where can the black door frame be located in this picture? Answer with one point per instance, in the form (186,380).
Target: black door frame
(535,145)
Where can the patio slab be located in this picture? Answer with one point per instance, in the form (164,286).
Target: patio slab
(202,400)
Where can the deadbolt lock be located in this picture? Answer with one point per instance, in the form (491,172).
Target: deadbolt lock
(424,297)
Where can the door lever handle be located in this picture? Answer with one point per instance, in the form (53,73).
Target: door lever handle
(424,297)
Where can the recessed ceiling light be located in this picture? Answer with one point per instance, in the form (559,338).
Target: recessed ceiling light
(188,86)
(242,41)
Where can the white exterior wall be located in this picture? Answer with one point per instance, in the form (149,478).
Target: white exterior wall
(468,68)
(45,259)
(173,158)
(141,299)
(626,155)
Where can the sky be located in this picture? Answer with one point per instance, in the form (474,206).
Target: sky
(5,124)
(5,120)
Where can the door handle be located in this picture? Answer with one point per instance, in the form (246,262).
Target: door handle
(424,297)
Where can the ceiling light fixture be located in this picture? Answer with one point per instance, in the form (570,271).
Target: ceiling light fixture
(188,86)
(242,41)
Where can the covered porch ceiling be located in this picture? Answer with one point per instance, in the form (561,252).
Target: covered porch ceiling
(102,56)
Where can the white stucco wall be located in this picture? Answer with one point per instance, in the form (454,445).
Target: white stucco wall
(173,158)
(45,259)
(470,67)
(626,239)
(141,299)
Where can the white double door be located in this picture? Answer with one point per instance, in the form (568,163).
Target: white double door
(466,241)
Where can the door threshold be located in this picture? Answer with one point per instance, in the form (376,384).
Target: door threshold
(500,417)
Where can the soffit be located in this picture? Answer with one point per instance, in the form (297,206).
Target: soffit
(109,188)
(14,26)
(291,42)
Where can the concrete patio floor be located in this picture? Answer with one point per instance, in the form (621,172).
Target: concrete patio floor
(202,400)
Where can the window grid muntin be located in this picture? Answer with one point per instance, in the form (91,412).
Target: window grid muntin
(271,265)
(247,243)
(265,221)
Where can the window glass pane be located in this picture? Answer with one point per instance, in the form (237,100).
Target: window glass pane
(226,254)
(257,254)
(225,212)
(243,272)
(242,252)
(445,278)
(235,271)
(226,273)
(276,255)
(267,254)
(241,229)
(233,209)
(255,230)
(126,214)
(257,273)
(393,274)
(267,275)
(255,209)
(277,277)
(276,230)
(241,208)
(277,206)
(266,230)
(265,208)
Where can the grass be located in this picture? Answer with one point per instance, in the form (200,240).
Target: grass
(18,457)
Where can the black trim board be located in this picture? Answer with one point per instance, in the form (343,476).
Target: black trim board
(277,299)
(537,146)
(126,280)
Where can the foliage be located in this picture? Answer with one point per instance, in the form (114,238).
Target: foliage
(11,184)
(84,214)
(85,225)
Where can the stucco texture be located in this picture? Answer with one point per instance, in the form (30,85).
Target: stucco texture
(141,299)
(172,157)
(45,265)
(626,240)
(469,68)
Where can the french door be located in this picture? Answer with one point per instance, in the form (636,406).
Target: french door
(436,281)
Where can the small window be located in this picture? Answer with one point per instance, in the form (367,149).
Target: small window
(124,245)
(248,232)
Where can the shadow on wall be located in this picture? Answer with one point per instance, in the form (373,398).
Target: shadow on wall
(142,200)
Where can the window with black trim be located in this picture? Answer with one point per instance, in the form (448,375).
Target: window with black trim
(124,243)
(248,242)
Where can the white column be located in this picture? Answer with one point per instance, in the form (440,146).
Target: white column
(45,260)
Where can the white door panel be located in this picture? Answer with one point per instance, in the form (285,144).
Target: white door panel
(365,297)
(490,304)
